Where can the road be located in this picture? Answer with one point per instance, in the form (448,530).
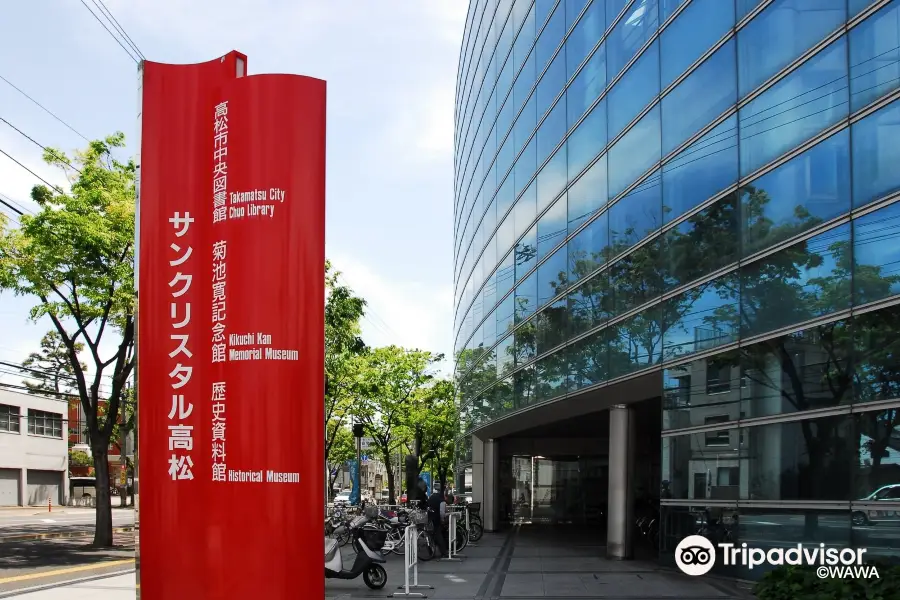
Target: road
(16,523)
(39,548)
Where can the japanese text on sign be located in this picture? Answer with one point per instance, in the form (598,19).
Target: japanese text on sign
(218,432)
(220,164)
(181,440)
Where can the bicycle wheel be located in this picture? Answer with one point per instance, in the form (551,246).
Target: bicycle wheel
(343,536)
(425,546)
(399,540)
(475,531)
(462,539)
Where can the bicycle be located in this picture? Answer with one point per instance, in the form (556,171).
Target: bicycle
(476,528)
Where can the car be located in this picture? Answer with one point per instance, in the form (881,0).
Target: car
(342,498)
(888,493)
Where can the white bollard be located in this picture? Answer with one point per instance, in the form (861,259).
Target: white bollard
(451,540)
(411,562)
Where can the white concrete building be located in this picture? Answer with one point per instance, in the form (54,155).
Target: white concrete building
(34,457)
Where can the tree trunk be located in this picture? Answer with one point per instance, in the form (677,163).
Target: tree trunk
(392,498)
(103,531)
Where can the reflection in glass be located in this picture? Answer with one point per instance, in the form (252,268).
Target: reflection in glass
(588,140)
(788,201)
(584,37)
(552,179)
(591,80)
(636,279)
(635,90)
(806,370)
(807,280)
(635,216)
(876,344)
(701,170)
(635,343)
(875,56)
(526,297)
(552,326)
(523,387)
(551,228)
(804,103)
(588,194)
(526,253)
(782,32)
(701,244)
(634,153)
(640,21)
(876,255)
(588,250)
(876,155)
(552,276)
(702,318)
(705,391)
(589,304)
(589,361)
(697,28)
(698,99)
(552,372)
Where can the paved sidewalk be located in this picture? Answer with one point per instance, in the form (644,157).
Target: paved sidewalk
(120,587)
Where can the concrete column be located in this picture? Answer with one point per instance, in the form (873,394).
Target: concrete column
(479,493)
(23,486)
(490,507)
(619,543)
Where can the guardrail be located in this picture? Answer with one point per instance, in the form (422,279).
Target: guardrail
(451,542)
(411,564)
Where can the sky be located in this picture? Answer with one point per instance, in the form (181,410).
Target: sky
(391,72)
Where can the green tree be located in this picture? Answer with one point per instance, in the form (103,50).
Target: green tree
(341,450)
(343,310)
(432,424)
(388,382)
(75,258)
(51,367)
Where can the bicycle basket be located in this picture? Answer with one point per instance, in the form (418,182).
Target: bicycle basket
(418,517)
(374,538)
(475,507)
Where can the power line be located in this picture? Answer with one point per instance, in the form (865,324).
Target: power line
(42,107)
(18,205)
(103,8)
(37,143)
(7,155)
(114,36)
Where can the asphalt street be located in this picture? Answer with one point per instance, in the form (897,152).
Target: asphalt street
(20,522)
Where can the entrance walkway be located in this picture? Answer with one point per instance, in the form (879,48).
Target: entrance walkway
(534,562)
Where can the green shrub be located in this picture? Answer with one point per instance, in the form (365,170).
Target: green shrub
(802,583)
(80,458)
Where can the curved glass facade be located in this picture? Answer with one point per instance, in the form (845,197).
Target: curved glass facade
(702,187)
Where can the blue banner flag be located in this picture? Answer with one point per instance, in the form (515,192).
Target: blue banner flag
(354,477)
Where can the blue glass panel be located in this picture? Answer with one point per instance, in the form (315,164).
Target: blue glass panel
(809,100)
(698,172)
(551,277)
(505,197)
(506,155)
(637,88)
(781,33)
(876,255)
(489,295)
(585,36)
(506,234)
(506,277)
(667,8)
(551,228)
(613,8)
(524,82)
(586,142)
(630,34)
(806,191)
(552,179)
(588,194)
(526,253)
(525,166)
(745,6)
(551,131)
(550,85)
(701,97)
(550,38)
(876,155)
(875,56)
(489,221)
(857,6)
(587,86)
(525,212)
(635,216)
(573,10)
(524,41)
(807,280)
(588,357)
(526,298)
(505,118)
(504,315)
(699,26)
(542,8)
(635,343)
(702,318)
(525,124)
(504,42)
(634,153)
(589,250)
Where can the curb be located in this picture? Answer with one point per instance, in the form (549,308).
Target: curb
(57,535)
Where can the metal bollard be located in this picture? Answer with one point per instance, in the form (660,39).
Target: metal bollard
(49,504)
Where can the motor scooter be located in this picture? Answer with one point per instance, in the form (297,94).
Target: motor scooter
(368,560)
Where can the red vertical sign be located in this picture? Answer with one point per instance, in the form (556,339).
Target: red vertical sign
(231,332)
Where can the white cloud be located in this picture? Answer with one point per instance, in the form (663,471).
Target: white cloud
(403,313)
(15,181)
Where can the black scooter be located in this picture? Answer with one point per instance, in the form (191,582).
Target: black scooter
(368,560)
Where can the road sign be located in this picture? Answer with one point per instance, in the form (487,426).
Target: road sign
(365,443)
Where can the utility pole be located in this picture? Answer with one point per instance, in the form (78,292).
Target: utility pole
(358,433)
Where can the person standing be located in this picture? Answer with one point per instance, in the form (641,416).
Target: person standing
(437,508)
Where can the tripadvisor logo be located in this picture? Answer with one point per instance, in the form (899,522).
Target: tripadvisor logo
(695,555)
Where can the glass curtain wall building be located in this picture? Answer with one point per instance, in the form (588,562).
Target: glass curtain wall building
(703,188)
